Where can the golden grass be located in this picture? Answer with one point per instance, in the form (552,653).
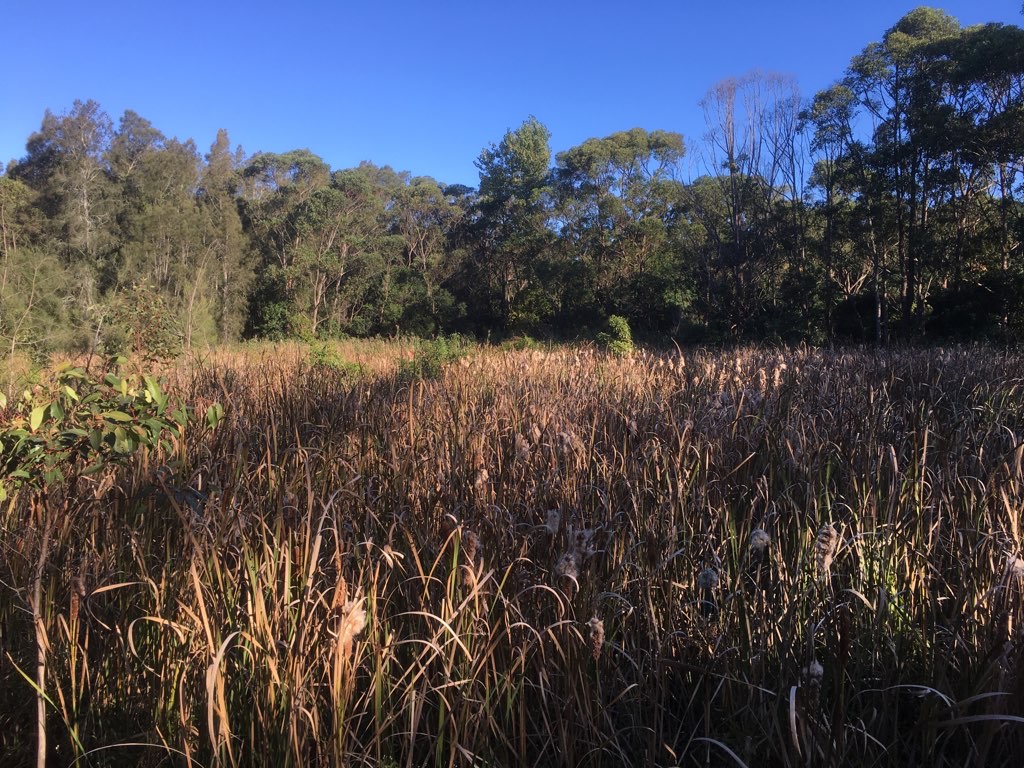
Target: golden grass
(544,558)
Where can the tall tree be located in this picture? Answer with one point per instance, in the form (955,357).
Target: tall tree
(512,236)
(232,270)
(616,199)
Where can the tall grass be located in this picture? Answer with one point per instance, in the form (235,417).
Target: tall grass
(544,558)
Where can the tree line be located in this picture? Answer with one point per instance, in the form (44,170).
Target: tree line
(886,207)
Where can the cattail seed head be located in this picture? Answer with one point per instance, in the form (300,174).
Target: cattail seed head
(825,545)
(568,566)
(353,621)
(596,637)
(1014,568)
(481,478)
(470,546)
(583,541)
(759,541)
(707,580)
(810,683)
(522,449)
(553,521)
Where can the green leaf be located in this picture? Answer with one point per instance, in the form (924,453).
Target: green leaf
(36,417)
(116,416)
(214,414)
(56,410)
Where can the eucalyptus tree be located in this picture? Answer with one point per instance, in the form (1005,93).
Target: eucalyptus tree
(616,198)
(511,237)
(66,166)
(273,188)
(753,151)
(426,219)
(892,83)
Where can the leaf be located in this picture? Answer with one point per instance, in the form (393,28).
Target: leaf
(3,404)
(120,416)
(56,410)
(214,414)
(36,417)
(71,394)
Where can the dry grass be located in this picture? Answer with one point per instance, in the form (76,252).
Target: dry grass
(545,558)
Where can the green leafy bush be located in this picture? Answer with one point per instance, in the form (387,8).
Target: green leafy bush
(79,424)
(618,338)
(324,358)
(431,356)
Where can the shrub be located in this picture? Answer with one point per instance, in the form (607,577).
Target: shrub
(618,339)
(431,356)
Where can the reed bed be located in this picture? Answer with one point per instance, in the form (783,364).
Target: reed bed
(544,558)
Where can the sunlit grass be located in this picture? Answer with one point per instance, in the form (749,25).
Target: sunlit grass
(545,557)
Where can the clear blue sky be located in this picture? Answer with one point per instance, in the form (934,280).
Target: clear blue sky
(421,86)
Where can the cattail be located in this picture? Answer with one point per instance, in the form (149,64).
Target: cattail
(810,682)
(481,478)
(707,580)
(583,541)
(522,449)
(568,442)
(470,546)
(1014,568)
(825,546)
(353,621)
(568,566)
(759,541)
(596,637)
(553,521)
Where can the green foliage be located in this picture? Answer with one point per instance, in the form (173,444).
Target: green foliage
(323,357)
(431,356)
(520,343)
(618,339)
(143,324)
(81,424)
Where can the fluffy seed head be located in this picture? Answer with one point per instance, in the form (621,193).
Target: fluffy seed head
(553,520)
(759,541)
(480,481)
(813,672)
(353,621)
(1014,567)
(522,449)
(596,637)
(825,545)
(707,579)
(568,566)
(470,545)
(583,541)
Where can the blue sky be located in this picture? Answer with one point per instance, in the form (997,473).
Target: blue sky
(421,86)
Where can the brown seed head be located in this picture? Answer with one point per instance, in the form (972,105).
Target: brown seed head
(825,545)
(596,637)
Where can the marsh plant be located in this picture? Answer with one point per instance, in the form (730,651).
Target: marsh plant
(540,558)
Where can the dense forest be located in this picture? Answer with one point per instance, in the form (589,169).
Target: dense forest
(886,207)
